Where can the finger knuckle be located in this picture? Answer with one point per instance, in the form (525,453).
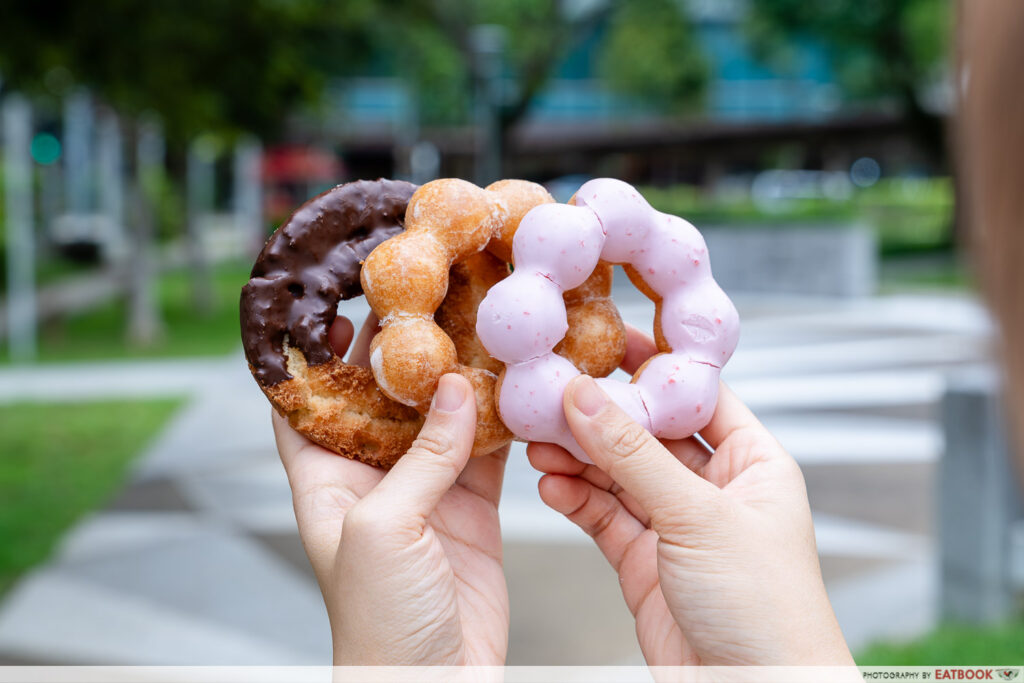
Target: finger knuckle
(602,522)
(625,440)
(433,442)
(695,522)
(435,450)
(320,495)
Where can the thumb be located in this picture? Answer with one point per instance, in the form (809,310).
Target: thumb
(415,485)
(675,499)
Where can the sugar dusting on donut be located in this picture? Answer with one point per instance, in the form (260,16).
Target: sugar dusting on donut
(406,280)
(556,247)
(454,226)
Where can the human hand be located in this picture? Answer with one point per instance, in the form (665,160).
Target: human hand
(408,561)
(715,551)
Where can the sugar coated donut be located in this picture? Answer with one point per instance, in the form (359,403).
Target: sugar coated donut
(454,227)
(523,317)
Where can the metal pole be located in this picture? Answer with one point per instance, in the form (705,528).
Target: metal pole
(248,195)
(406,130)
(199,193)
(21,293)
(488,43)
(424,162)
(78,125)
(144,325)
(110,156)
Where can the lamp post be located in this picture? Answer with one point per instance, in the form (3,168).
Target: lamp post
(488,44)
(248,194)
(79,124)
(144,324)
(21,293)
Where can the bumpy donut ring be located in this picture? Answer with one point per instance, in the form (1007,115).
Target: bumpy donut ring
(673,394)
(406,278)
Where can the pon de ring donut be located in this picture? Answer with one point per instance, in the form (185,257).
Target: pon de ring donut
(673,395)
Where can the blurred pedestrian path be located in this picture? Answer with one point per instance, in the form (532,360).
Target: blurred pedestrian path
(198,560)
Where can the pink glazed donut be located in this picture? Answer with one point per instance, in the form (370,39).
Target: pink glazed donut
(522,318)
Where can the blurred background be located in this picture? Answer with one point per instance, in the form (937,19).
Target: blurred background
(150,148)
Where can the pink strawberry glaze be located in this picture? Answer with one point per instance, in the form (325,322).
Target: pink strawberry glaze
(555,249)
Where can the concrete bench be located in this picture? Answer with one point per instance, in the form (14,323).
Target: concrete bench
(812,260)
(980,507)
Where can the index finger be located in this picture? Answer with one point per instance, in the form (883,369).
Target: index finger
(639,348)
(360,354)
(484,475)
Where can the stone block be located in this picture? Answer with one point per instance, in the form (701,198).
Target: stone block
(978,501)
(812,260)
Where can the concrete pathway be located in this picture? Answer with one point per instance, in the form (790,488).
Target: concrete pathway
(198,561)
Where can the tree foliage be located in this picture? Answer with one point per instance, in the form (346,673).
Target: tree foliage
(894,48)
(242,65)
(875,46)
(650,52)
(226,65)
(643,46)
(431,44)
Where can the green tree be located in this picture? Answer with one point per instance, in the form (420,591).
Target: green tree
(224,66)
(644,47)
(240,65)
(649,52)
(892,48)
(216,65)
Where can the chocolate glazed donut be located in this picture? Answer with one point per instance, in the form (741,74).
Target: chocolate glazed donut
(310,264)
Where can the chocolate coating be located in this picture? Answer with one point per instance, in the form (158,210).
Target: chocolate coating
(310,264)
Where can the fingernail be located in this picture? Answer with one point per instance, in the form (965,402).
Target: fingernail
(587,396)
(450,395)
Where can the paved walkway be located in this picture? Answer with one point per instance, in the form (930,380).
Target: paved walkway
(198,560)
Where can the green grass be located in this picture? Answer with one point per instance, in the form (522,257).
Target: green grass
(936,272)
(908,215)
(953,645)
(100,333)
(57,462)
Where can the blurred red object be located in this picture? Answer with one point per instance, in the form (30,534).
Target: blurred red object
(292,174)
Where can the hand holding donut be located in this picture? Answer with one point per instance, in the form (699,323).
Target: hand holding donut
(408,561)
(523,317)
(715,550)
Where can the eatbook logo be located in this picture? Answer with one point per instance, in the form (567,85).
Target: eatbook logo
(1008,674)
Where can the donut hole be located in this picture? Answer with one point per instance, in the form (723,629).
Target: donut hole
(296,290)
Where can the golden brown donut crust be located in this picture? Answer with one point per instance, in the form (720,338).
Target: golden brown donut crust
(339,407)
(449,223)
(596,340)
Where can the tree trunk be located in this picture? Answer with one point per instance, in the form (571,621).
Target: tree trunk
(144,325)
(20,234)
(198,190)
